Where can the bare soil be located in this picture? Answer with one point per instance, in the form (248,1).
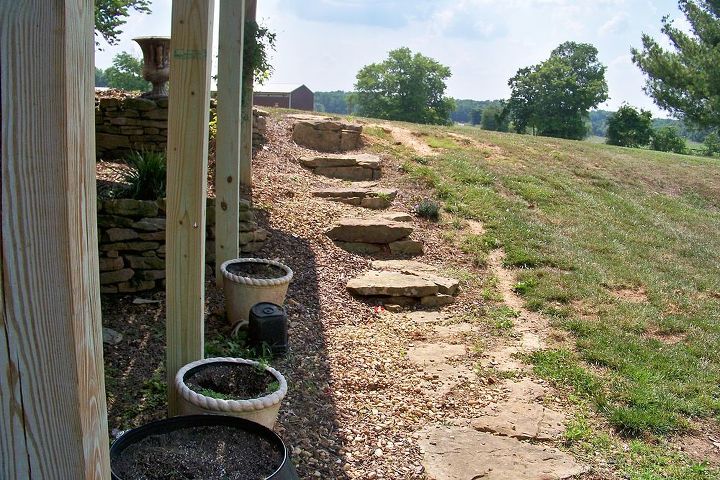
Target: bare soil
(255,270)
(209,453)
(233,380)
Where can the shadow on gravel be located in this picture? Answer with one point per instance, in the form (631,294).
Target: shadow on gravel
(308,415)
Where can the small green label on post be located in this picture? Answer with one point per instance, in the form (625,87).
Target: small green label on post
(187,54)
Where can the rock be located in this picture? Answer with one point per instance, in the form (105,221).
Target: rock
(379,283)
(349,167)
(142,104)
(330,161)
(120,234)
(153,236)
(146,263)
(461,453)
(369,230)
(437,300)
(151,274)
(406,247)
(136,286)
(109,221)
(376,203)
(150,224)
(394,307)
(130,207)
(361,248)
(116,276)
(521,419)
(396,216)
(447,286)
(111,337)
(425,317)
(402,265)
(326,135)
(111,264)
(130,246)
(348,173)
(108,289)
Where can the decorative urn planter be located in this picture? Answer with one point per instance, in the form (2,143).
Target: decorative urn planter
(156,64)
(197,446)
(231,386)
(248,281)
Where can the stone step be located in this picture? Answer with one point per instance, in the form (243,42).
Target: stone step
(391,284)
(325,134)
(358,167)
(374,198)
(369,230)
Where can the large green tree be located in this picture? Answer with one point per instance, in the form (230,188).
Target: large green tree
(629,127)
(406,86)
(110,15)
(126,73)
(553,97)
(685,80)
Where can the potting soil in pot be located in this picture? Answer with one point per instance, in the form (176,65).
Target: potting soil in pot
(256,270)
(231,381)
(203,453)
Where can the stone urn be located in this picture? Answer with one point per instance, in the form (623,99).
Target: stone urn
(156,64)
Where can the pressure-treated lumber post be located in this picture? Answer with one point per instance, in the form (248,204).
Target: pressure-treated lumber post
(227,150)
(53,418)
(247,102)
(189,106)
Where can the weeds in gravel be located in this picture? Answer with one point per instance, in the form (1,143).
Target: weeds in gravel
(428,208)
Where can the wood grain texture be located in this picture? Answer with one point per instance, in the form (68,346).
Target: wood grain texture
(53,418)
(227,151)
(189,106)
(246,124)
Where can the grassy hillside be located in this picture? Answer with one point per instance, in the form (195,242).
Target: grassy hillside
(620,247)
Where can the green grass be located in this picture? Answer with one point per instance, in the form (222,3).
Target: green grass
(583,220)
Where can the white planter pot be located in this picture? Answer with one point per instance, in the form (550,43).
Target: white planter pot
(262,410)
(241,293)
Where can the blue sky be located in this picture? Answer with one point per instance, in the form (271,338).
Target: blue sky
(323,43)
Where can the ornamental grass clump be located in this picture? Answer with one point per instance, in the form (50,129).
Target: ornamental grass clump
(146,177)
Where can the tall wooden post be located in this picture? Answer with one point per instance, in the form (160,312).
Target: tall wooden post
(227,156)
(189,104)
(53,418)
(247,101)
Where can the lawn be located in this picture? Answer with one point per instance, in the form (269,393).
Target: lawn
(619,247)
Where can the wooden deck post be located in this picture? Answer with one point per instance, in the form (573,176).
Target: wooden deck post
(189,104)
(247,104)
(53,418)
(227,151)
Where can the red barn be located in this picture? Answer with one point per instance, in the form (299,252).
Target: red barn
(284,95)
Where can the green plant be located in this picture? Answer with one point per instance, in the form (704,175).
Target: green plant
(429,209)
(146,176)
(208,392)
(667,139)
(257,44)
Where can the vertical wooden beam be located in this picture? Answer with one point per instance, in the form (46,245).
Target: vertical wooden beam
(247,101)
(53,418)
(189,106)
(227,151)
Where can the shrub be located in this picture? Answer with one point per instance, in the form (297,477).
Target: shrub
(667,139)
(712,144)
(146,177)
(629,127)
(429,209)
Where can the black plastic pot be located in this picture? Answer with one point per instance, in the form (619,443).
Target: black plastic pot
(286,470)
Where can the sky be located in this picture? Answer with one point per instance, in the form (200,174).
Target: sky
(323,43)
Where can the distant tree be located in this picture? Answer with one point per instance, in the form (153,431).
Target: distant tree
(100,80)
(598,122)
(494,117)
(126,73)
(332,102)
(110,15)
(666,139)
(684,81)
(712,144)
(553,97)
(405,87)
(476,116)
(629,127)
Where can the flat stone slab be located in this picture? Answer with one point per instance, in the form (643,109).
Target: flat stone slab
(396,216)
(365,160)
(373,198)
(425,317)
(455,329)
(521,419)
(462,453)
(433,353)
(503,359)
(369,230)
(377,283)
(448,286)
(439,375)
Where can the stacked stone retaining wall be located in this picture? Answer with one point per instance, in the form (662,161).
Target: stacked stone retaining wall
(131,237)
(124,123)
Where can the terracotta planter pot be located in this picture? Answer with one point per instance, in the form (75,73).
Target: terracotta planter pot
(241,292)
(263,410)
